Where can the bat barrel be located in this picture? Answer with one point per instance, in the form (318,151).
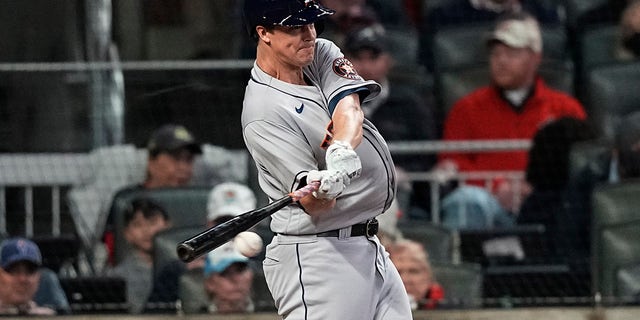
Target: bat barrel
(186,252)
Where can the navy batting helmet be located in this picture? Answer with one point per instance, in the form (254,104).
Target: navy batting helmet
(282,13)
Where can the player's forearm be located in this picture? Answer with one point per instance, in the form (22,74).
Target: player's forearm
(347,120)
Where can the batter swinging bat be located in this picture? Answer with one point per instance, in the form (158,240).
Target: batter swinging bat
(216,236)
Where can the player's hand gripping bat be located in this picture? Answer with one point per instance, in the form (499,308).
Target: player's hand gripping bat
(190,249)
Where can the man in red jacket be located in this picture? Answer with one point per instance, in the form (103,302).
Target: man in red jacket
(514,106)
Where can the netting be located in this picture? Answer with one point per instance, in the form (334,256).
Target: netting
(79,99)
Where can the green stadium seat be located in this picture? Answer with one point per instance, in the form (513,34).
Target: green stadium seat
(576,8)
(597,46)
(615,207)
(618,248)
(462,284)
(166,242)
(437,240)
(612,92)
(459,46)
(628,281)
(185,206)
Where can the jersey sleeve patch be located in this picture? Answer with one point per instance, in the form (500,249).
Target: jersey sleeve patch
(344,68)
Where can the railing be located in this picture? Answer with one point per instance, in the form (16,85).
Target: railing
(58,171)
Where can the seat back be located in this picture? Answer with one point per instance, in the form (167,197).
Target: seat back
(185,207)
(618,248)
(165,243)
(437,240)
(460,46)
(462,283)
(612,93)
(597,46)
(614,206)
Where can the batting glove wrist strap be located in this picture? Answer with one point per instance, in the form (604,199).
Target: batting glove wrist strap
(341,157)
(331,183)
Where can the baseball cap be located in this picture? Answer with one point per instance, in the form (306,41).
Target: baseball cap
(19,249)
(519,30)
(229,198)
(221,258)
(170,137)
(368,38)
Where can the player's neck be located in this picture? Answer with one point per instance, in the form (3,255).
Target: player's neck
(280,71)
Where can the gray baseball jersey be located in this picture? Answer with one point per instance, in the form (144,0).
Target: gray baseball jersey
(285,128)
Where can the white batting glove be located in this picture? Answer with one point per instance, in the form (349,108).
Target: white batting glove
(331,183)
(341,157)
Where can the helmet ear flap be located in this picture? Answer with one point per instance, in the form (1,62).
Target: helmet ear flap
(319,26)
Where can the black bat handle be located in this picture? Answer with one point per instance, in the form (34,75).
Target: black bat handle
(216,236)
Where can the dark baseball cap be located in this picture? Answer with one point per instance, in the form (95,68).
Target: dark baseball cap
(368,38)
(282,13)
(19,249)
(170,138)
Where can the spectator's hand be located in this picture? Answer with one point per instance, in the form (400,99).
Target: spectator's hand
(510,194)
(445,171)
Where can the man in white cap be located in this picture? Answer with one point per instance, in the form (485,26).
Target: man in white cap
(228,200)
(514,106)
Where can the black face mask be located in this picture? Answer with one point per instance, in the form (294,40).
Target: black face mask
(632,43)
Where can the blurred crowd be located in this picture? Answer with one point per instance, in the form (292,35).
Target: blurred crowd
(527,77)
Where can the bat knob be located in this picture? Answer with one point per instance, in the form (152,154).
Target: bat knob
(185,252)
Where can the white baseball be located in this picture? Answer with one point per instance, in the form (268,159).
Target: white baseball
(248,243)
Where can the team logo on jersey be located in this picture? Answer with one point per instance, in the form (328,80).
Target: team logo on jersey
(300,108)
(345,69)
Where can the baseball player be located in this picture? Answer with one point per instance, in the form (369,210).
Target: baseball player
(302,122)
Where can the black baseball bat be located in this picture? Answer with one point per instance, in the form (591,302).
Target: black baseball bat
(192,248)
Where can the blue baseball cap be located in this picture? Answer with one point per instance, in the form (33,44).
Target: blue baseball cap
(19,249)
(221,258)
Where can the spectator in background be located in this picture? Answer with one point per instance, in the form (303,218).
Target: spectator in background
(628,46)
(400,113)
(20,260)
(228,279)
(607,12)
(548,174)
(171,153)
(350,15)
(516,104)
(142,221)
(457,12)
(226,200)
(412,262)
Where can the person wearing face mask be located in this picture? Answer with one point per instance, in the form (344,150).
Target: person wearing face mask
(629,33)
(514,106)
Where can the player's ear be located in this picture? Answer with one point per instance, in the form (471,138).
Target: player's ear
(263,34)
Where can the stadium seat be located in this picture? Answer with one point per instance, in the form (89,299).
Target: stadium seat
(459,46)
(185,206)
(462,284)
(166,242)
(614,209)
(576,8)
(597,46)
(628,281)
(437,240)
(612,92)
(618,248)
